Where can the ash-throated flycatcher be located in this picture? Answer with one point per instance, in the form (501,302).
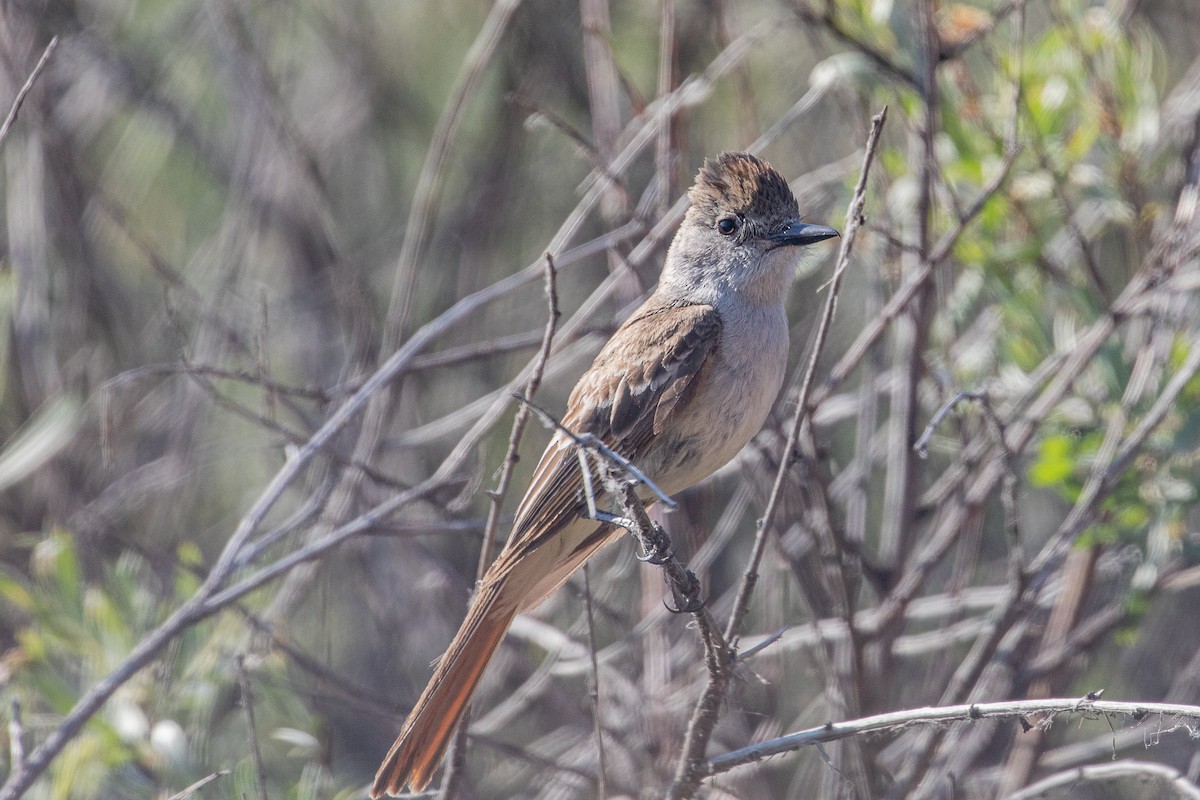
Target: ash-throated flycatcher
(678,390)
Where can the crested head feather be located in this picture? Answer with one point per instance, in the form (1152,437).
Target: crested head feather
(739,183)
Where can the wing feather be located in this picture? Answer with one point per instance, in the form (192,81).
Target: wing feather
(644,374)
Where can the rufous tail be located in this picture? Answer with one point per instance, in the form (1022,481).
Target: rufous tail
(423,740)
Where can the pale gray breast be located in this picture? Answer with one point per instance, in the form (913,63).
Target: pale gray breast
(733,403)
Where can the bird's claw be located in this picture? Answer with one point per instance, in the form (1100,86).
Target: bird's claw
(686,605)
(687,599)
(656,556)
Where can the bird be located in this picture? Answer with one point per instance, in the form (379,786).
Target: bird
(679,388)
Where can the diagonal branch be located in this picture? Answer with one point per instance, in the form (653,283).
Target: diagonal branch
(19,100)
(689,771)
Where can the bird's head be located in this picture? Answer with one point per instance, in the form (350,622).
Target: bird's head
(740,234)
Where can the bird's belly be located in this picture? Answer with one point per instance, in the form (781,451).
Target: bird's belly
(727,411)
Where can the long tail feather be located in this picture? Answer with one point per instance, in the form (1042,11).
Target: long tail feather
(418,749)
(518,580)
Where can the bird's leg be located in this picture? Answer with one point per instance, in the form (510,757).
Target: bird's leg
(589,441)
(656,549)
(589,494)
(589,490)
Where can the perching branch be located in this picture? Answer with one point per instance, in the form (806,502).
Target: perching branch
(688,773)
(1167,716)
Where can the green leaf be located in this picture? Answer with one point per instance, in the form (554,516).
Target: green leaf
(1055,462)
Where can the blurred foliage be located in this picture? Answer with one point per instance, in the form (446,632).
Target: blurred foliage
(165,723)
(205,209)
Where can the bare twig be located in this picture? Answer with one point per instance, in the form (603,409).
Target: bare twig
(198,785)
(260,771)
(588,443)
(429,184)
(521,418)
(1140,771)
(1008,497)
(458,754)
(1173,715)
(594,686)
(829,20)
(688,772)
(19,100)
(16,735)
(854,220)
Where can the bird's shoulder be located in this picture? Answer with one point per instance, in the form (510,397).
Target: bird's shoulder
(643,370)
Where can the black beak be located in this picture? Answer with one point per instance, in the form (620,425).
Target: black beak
(799,233)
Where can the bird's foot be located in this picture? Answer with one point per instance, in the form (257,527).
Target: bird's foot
(613,519)
(690,602)
(657,554)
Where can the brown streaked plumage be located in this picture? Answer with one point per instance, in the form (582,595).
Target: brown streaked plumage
(679,388)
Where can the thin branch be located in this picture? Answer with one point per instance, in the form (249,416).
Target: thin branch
(457,759)
(872,53)
(198,785)
(260,771)
(521,419)
(1140,771)
(588,148)
(19,100)
(854,220)
(689,772)
(1008,496)
(594,686)
(898,721)
(16,736)
(429,184)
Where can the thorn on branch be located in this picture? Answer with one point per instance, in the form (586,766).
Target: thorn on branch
(763,645)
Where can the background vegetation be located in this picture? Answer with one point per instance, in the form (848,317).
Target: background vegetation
(222,218)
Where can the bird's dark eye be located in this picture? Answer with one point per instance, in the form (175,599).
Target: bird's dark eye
(727,225)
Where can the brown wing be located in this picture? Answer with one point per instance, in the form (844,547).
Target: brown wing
(645,372)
